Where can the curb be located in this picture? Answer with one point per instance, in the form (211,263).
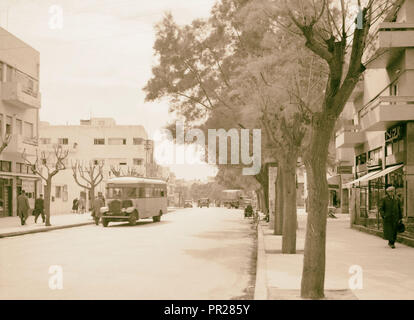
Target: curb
(379,233)
(260,290)
(46,229)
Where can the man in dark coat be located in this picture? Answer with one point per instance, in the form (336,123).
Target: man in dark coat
(391,213)
(97,205)
(23,207)
(39,208)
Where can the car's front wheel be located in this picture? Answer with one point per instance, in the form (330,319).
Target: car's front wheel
(105,222)
(157,218)
(133,218)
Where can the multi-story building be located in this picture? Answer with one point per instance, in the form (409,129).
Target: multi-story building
(19,118)
(119,147)
(379,135)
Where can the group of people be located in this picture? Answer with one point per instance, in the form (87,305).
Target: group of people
(79,205)
(23,208)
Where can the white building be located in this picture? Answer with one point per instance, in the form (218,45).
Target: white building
(19,117)
(98,139)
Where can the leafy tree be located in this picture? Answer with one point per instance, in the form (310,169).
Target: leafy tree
(326,27)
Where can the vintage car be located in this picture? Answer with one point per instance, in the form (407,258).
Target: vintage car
(188,204)
(205,202)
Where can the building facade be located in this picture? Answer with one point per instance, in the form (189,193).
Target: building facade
(97,140)
(379,135)
(19,118)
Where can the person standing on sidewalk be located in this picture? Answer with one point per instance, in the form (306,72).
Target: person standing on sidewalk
(97,205)
(75,205)
(23,207)
(81,205)
(391,213)
(39,208)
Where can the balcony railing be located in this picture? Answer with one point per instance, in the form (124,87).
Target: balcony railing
(396,35)
(386,101)
(349,136)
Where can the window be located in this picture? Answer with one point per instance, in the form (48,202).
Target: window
(130,193)
(122,163)
(117,141)
(5,166)
(361,159)
(28,130)
(99,141)
(148,192)
(22,168)
(58,192)
(141,192)
(45,141)
(138,141)
(138,162)
(63,141)
(8,125)
(19,126)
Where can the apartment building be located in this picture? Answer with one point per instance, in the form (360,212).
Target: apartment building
(122,147)
(379,134)
(19,117)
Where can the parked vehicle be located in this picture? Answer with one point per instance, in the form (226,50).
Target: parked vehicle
(188,204)
(232,198)
(131,199)
(205,202)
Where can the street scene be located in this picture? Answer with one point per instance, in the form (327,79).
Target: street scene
(228,150)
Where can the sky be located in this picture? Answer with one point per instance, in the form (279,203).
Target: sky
(95,61)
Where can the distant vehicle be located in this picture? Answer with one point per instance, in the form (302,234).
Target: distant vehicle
(205,202)
(188,204)
(248,211)
(131,199)
(232,198)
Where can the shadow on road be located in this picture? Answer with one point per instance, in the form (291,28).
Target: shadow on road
(139,224)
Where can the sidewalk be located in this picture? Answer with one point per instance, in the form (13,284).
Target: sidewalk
(10,226)
(387,274)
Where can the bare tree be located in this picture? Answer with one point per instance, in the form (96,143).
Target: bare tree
(46,168)
(88,176)
(128,172)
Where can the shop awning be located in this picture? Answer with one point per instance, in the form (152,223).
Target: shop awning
(385,172)
(373,175)
(362,179)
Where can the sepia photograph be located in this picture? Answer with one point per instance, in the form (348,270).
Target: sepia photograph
(207,155)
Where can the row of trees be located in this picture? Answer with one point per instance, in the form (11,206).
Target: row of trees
(287,67)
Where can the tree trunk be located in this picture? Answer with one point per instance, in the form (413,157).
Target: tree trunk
(289,206)
(48,192)
(278,225)
(313,274)
(92,196)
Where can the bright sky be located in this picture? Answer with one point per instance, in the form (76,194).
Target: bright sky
(99,61)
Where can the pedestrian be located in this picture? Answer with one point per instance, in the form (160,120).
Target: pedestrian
(81,205)
(391,213)
(75,205)
(39,208)
(23,207)
(97,205)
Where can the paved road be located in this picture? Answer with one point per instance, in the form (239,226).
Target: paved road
(192,254)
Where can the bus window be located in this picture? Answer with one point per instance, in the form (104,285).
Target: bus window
(148,192)
(141,192)
(114,193)
(162,194)
(130,193)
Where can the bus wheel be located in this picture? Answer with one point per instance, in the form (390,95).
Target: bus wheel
(133,218)
(105,222)
(157,218)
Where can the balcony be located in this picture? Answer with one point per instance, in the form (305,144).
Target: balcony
(18,144)
(19,95)
(386,111)
(349,136)
(396,35)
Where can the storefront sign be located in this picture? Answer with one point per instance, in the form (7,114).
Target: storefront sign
(395,133)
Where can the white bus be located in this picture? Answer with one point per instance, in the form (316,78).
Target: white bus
(130,199)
